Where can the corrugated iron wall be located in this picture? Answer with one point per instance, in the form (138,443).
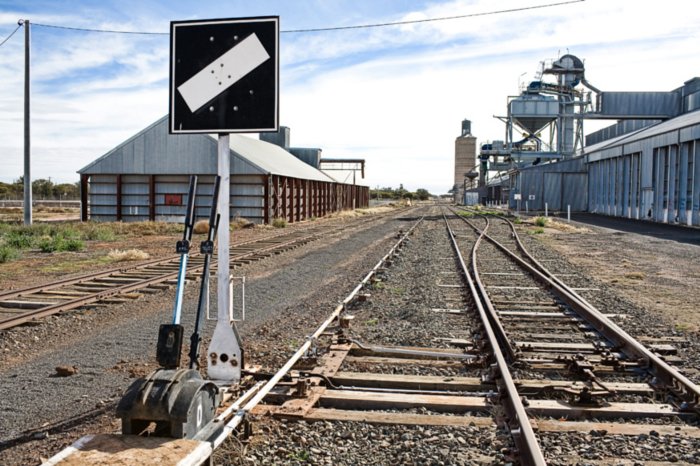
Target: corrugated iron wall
(654,179)
(293,199)
(257,198)
(559,185)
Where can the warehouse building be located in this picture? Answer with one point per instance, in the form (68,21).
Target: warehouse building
(646,166)
(146,178)
(650,174)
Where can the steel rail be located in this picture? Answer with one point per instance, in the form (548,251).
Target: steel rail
(260,394)
(296,238)
(492,314)
(523,434)
(627,344)
(220,428)
(105,273)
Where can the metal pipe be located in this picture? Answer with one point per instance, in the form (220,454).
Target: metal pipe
(432,354)
(224,237)
(27,130)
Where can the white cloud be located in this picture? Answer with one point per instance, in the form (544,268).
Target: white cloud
(395,96)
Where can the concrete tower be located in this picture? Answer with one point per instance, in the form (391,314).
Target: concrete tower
(465,160)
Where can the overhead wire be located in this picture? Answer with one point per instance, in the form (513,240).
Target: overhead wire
(11,34)
(339,28)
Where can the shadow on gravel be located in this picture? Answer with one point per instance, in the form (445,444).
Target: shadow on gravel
(62,426)
(415,219)
(681,234)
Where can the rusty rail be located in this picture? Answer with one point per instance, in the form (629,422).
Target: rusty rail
(522,432)
(265,245)
(665,374)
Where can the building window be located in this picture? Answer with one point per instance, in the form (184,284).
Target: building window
(173,199)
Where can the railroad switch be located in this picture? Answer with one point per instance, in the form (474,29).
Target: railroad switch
(301,388)
(178,402)
(579,365)
(345,321)
(609,359)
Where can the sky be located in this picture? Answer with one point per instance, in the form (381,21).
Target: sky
(394,96)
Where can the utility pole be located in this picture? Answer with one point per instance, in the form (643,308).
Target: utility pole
(27,138)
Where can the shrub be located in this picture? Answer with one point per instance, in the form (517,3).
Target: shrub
(97,232)
(7,253)
(128,255)
(201,227)
(19,240)
(60,243)
(540,221)
(538,231)
(47,244)
(279,223)
(73,244)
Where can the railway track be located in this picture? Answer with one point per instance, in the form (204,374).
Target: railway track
(517,354)
(463,349)
(593,371)
(123,284)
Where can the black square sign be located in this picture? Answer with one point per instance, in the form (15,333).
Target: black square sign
(224,75)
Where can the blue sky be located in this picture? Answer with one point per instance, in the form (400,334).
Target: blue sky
(394,96)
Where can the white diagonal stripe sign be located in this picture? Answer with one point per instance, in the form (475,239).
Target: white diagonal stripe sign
(223,72)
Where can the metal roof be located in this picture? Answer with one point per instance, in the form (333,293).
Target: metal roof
(274,160)
(682,121)
(154,151)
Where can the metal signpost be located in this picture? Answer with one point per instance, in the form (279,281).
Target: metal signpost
(224,78)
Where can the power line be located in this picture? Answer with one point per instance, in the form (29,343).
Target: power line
(12,34)
(428,20)
(337,28)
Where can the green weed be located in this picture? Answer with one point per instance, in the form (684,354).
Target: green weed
(7,254)
(301,455)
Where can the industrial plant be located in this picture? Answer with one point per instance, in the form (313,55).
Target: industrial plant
(644,166)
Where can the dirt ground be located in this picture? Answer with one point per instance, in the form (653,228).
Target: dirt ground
(660,275)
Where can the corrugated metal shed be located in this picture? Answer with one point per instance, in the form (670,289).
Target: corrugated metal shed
(145,178)
(651,174)
(688,124)
(558,184)
(154,151)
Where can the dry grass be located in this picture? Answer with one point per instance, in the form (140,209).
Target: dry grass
(201,227)
(239,223)
(118,255)
(635,275)
(565,227)
(364,211)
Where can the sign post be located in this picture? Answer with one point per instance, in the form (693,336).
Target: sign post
(224,78)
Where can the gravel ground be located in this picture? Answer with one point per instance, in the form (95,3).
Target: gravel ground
(630,276)
(345,443)
(397,313)
(288,295)
(112,345)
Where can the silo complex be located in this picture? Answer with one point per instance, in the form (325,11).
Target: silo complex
(465,161)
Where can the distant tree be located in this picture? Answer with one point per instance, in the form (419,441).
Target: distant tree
(422,194)
(66,191)
(42,188)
